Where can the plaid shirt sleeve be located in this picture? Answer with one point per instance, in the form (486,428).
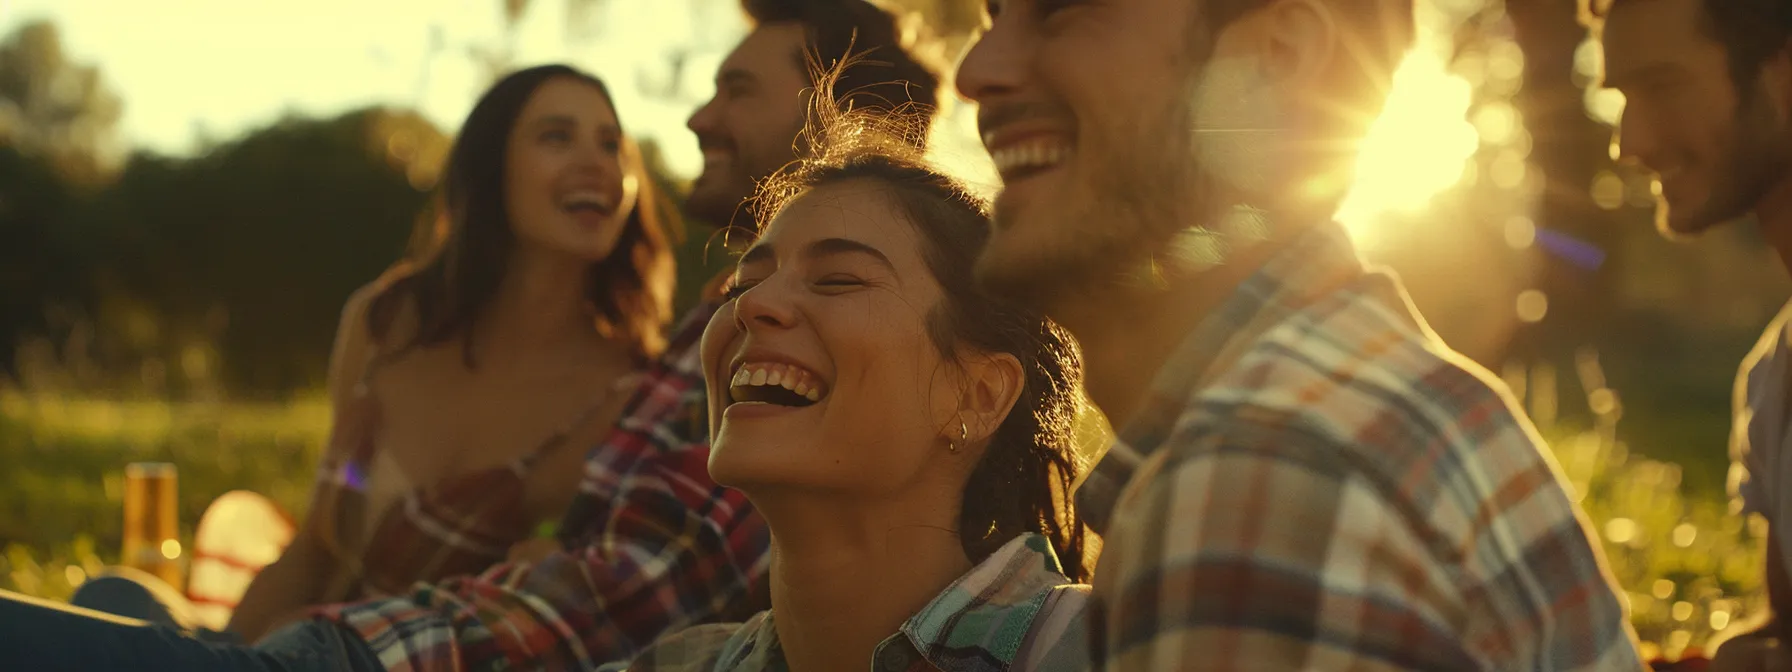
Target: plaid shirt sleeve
(1272,548)
(662,548)
(690,650)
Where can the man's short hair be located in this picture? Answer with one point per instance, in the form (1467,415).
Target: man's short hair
(885,73)
(1751,31)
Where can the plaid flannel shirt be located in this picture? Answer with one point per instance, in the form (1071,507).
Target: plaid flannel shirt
(654,545)
(1013,611)
(1315,482)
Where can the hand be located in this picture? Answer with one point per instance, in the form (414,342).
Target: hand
(1751,654)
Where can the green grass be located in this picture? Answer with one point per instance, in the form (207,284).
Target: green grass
(63,495)
(1687,565)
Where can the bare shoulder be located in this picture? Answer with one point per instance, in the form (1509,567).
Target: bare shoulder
(356,342)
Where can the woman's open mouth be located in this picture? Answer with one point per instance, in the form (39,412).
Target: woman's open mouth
(775,383)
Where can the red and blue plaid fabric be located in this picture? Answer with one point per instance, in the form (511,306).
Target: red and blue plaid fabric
(654,546)
(1316,482)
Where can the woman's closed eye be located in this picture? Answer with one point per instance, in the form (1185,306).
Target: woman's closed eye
(837,283)
(1046,8)
(557,136)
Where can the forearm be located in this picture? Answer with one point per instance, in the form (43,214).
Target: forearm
(281,592)
(39,635)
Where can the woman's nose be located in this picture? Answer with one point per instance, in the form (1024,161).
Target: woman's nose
(767,304)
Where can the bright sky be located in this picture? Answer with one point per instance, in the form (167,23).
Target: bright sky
(228,66)
(224,67)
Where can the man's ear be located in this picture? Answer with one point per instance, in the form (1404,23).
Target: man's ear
(994,385)
(1300,39)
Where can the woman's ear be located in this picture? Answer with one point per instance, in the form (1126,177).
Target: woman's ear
(995,384)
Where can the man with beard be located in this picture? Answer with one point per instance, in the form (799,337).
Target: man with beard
(1307,478)
(1708,89)
(651,544)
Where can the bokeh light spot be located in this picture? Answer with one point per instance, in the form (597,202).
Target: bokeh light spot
(1532,306)
(1720,620)
(1685,534)
(1496,123)
(1605,106)
(1521,232)
(1602,401)
(1621,531)
(1507,171)
(1608,190)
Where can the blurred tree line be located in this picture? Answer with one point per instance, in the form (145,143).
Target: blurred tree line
(220,274)
(153,272)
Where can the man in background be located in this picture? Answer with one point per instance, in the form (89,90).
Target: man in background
(1708,90)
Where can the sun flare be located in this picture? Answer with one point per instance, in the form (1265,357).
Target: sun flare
(1421,144)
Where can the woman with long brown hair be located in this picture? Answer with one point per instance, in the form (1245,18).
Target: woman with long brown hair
(468,378)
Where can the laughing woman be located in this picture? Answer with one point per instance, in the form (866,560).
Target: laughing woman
(905,435)
(467,383)
(470,378)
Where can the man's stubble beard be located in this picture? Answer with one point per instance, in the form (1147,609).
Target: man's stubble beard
(730,206)
(1758,160)
(1143,192)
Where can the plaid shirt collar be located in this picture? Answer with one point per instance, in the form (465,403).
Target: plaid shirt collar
(983,618)
(1311,264)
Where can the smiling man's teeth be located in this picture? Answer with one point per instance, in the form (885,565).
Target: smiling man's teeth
(1030,155)
(797,380)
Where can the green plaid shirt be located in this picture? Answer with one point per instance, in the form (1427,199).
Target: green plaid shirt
(1014,611)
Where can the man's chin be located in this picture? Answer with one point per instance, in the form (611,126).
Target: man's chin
(1684,227)
(718,207)
(1038,274)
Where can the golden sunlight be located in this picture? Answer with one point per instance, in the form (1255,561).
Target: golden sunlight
(1420,144)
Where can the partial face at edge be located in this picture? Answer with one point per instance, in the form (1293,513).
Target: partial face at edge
(1716,150)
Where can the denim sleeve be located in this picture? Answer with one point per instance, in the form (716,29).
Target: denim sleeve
(318,645)
(40,635)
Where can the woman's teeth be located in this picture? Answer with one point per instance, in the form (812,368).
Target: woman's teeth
(799,381)
(586,198)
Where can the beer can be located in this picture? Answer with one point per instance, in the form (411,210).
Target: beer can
(151,521)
